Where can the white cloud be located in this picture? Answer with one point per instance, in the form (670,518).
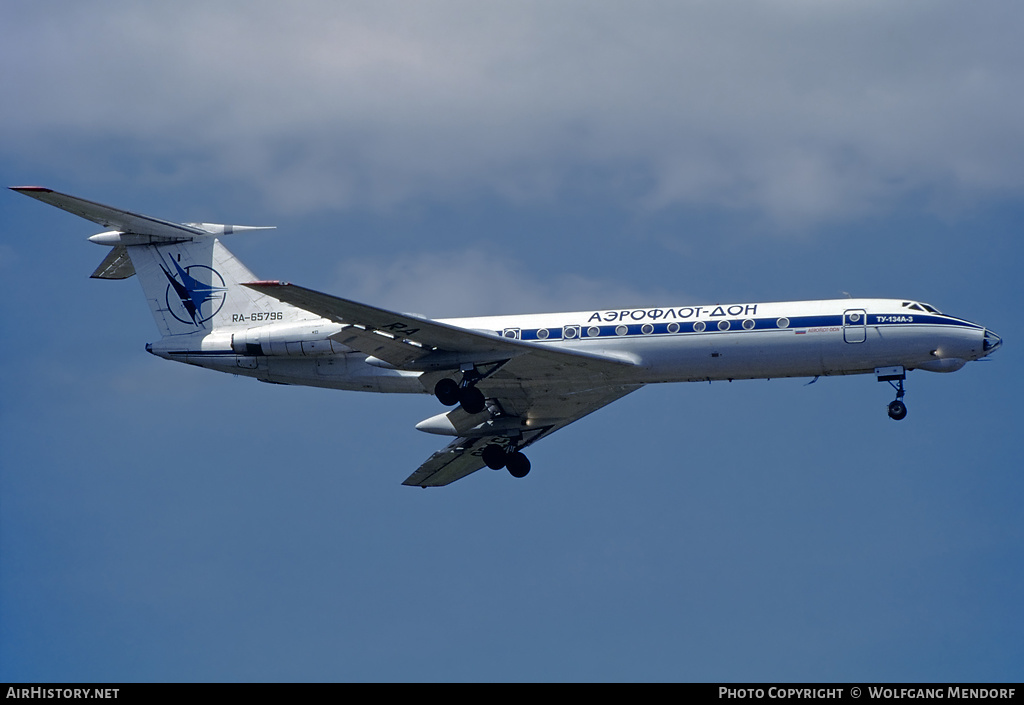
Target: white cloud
(795,110)
(472,283)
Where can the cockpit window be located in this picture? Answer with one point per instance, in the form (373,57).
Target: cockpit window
(920,307)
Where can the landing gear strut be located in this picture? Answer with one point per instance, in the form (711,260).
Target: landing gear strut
(495,457)
(894,376)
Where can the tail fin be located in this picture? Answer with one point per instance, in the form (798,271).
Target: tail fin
(196,285)
(191,281)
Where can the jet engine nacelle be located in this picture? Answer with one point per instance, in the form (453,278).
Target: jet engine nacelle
(292,340)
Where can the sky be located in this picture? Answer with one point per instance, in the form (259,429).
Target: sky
(160,522)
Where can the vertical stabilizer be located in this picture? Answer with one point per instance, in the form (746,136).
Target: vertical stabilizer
(196,285)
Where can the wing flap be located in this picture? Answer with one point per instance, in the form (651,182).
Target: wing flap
(454,462)
(396,352)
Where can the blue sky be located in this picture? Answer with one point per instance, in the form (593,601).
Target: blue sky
(164,523)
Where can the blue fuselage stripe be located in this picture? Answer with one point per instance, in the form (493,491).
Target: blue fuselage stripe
(736,325)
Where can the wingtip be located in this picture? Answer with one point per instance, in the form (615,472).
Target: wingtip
(36,189)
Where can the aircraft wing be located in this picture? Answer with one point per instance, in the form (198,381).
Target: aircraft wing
(532,389)
(411,342)
(463,455)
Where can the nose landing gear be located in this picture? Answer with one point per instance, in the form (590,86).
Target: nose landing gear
(897,409)
(894,376)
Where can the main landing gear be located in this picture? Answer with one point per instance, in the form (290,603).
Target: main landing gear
(449,392)
(495,457)
(894,376)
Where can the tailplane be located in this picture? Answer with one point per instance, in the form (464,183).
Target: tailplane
(192,283)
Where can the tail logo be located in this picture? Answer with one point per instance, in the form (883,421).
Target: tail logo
(195,293)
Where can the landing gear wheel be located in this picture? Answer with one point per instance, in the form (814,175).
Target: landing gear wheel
(472,400)
(518,464)
(494,456)
(897,410)
(447,391)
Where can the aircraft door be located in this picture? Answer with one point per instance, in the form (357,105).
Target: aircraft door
(855,325)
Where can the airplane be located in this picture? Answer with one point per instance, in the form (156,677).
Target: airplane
(508,381)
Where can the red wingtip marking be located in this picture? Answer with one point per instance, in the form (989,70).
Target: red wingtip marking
(31,188)
(267,282)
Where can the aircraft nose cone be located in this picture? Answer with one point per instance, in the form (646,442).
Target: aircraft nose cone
(992,341)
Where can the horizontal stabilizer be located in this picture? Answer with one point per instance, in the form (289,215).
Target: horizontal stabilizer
(109,217)
(127,222)
(116,265)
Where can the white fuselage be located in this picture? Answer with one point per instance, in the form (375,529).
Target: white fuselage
(666,344)
(508,380)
